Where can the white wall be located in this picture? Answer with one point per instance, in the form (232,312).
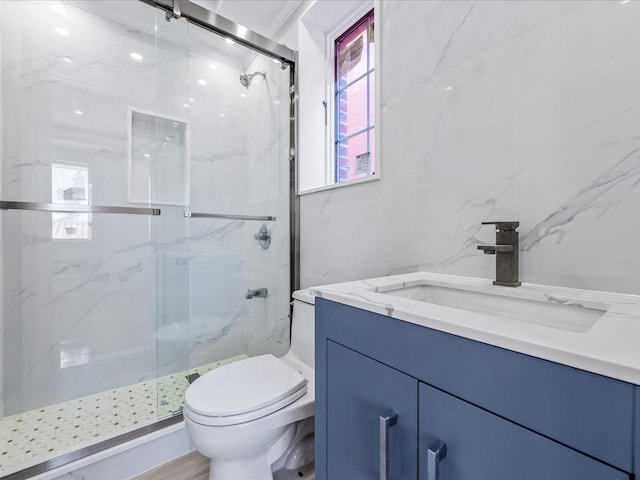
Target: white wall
(495,110)
(312,80)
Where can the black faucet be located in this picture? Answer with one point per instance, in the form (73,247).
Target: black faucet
(506,252)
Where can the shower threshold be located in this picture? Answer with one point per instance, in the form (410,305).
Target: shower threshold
(41,436)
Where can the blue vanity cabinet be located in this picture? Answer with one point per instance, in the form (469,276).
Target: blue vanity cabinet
(503,415)
(369,407)
(480,445)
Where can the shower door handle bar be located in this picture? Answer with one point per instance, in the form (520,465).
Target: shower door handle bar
(261,218)
(71,208)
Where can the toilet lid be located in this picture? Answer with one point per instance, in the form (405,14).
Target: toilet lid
(244,386)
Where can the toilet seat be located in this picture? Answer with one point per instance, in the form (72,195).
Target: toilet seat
(243,391)
(216,421)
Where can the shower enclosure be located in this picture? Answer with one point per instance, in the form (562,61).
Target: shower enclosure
(146,187)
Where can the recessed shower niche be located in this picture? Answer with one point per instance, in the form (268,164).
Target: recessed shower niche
(158,153)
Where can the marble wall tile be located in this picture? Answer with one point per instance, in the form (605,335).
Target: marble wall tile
(539,125)
(432,37)
(70,305)
(268,194)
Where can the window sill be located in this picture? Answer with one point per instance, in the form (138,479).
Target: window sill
(339,185)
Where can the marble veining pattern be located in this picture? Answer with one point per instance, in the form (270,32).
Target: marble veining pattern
(626,170)
(513,110)
(446,47)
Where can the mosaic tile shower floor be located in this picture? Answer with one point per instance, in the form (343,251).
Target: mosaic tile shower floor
(38,435)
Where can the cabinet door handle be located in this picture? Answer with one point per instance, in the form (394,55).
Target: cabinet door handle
(386,422)
(436,452)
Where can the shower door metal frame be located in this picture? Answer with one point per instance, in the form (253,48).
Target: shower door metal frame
(222,26)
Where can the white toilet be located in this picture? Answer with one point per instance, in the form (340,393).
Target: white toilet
(249,415)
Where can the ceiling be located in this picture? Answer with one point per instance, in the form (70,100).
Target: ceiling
(263,16)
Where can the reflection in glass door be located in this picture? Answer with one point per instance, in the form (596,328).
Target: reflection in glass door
(78,259)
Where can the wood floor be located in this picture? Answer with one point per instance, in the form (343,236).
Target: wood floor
(191,466)
(194,466)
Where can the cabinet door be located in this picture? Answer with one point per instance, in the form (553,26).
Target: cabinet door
(359,392)
(483,446)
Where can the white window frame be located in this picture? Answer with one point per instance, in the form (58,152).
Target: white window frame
(331,157)
(330,88)
(328,156)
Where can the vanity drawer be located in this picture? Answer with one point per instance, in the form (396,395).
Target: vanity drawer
(585,411)
(480,445)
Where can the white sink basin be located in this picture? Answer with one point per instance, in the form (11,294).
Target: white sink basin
(594,331)
(563,314)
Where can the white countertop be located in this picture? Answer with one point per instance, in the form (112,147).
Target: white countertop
(610,347)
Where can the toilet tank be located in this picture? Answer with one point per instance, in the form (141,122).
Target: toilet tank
(303,327)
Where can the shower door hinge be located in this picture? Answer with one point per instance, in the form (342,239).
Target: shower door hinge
(176,9)
(175,13)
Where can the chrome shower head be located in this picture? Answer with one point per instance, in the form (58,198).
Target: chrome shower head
(245,78)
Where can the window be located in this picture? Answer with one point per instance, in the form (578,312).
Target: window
(354,102)
(70,185)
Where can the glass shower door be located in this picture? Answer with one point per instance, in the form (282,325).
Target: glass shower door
(239,186)
(80,224)
(145,164)
(170,170)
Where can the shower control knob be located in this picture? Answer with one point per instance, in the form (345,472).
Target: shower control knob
(263,236)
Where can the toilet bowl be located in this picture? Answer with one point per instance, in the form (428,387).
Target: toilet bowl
(245,416)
